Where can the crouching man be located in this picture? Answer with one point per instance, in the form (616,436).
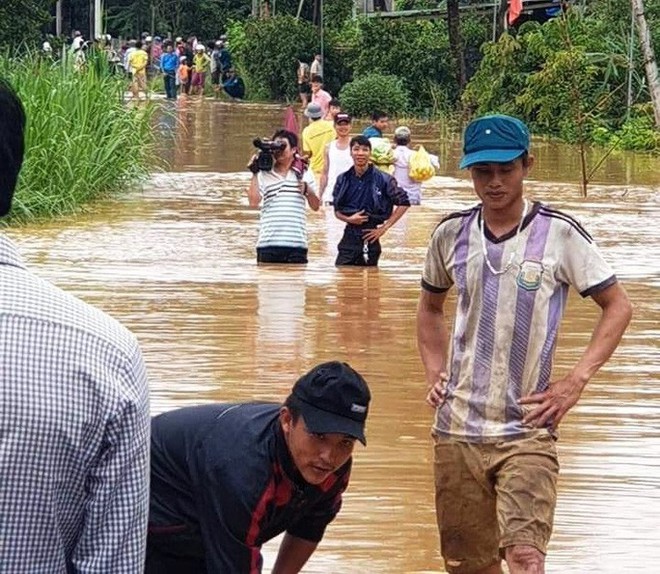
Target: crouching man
(225,478)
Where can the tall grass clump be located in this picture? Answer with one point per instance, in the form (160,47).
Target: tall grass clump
(82,141)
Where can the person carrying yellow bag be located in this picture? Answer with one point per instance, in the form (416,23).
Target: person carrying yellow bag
(421,168)
(412,167)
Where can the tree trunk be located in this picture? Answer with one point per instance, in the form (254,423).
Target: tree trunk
(455,41)
(501,17)
(316,12)
(650,64)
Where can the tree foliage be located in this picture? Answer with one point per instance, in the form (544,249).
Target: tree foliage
(268,52)
(567,78)
(21,21)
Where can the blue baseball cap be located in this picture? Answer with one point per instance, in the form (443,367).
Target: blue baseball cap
(494,139)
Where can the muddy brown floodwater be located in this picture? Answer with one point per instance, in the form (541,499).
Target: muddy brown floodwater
(175,262)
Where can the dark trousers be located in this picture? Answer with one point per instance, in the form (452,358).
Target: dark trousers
(163,564)
(352,250)
(281,255)
(173,554)
(170,85)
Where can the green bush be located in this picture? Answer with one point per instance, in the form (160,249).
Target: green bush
(372,92)
(82,141)
(637,133)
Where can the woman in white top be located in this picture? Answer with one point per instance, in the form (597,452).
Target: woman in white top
(402,155)
(337,158)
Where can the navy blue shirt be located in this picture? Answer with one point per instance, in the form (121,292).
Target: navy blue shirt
(224,59)
(234,87)
(223,483)
(374,191)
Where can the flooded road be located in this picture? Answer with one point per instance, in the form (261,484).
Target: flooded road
(175,262)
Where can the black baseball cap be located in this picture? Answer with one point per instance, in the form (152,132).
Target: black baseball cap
(342,118)
(333,398)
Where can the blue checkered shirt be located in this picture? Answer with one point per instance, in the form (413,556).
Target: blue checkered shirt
(74,432)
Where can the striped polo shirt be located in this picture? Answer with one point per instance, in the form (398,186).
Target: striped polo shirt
(506,325)
(283,209)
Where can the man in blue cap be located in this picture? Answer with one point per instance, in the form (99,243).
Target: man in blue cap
(225,478)
(497,409)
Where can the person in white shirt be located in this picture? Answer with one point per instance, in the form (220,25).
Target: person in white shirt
(77,41)
(402,156)
(316,69)
(338,157)
(282,194)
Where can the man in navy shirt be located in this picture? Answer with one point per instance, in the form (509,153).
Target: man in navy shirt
(225,478)
(365,198)
(233,85)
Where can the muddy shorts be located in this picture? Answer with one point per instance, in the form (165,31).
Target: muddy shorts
(489,496)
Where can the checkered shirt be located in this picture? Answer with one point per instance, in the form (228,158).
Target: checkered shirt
(74,432)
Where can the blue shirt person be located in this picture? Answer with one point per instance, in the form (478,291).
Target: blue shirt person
(233,85)
(370,202)
(379,123)
(169,62)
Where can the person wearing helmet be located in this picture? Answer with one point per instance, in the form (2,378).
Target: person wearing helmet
(201,67)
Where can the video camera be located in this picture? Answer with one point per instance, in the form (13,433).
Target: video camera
(264,161)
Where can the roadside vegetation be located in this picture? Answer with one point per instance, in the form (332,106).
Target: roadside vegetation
(573,77)
(579,77)
(82,141)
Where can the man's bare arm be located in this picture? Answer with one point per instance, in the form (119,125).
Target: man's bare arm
(433,344)
(293,554)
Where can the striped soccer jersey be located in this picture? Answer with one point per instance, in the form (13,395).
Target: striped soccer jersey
(506,325)
(283,209)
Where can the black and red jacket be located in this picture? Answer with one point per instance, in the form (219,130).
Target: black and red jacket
(223,483)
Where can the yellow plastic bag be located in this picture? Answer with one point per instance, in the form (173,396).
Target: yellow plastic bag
(421,168)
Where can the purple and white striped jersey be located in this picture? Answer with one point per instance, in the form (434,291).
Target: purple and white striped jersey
(506,325)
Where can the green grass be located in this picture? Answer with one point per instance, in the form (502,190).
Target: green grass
(82,141)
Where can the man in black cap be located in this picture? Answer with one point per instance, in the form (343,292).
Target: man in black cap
(225,478)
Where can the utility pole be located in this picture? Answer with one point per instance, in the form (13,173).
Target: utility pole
(58,18)
(456,41)
(98,18)
(650,64)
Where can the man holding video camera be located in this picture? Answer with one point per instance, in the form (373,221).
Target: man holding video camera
(282,187)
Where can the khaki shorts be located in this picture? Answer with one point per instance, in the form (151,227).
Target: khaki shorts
(489,496)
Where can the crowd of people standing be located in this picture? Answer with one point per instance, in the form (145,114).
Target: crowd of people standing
(185,66)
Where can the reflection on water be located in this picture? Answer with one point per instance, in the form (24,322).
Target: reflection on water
(175,261)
